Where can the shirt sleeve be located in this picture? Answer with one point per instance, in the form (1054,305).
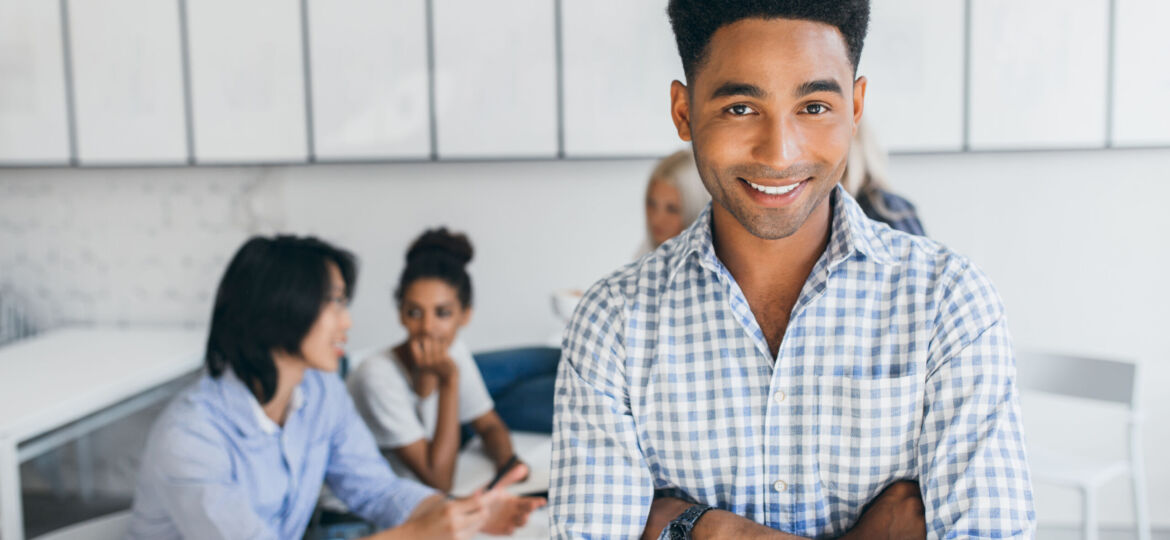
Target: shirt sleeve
(474,400)
(601,486)
(386,402)
(972,463)
(359,475)
(195,485)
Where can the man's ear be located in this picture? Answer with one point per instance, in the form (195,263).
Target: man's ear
(680,109)
(858,101)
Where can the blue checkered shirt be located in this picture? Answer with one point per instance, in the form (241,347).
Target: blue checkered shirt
(896,364)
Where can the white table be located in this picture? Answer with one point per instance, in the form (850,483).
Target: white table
(63,384)
(474,470)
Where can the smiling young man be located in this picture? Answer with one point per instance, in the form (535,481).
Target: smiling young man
(786,367)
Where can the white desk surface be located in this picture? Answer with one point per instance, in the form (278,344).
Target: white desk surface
(60,376)
(473,470)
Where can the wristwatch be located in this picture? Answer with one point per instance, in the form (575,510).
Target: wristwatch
(680,527)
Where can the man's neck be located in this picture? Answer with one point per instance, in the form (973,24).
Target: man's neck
(289,373)
(779,262)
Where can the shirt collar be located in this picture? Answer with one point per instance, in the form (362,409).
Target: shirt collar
(246,411)
(852,233)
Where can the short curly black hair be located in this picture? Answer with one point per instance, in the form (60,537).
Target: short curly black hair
(695,21)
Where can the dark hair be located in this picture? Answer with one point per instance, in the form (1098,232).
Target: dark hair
(439,254)
(269,297)
(695,21)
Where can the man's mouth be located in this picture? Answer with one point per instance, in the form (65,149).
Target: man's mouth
(774,190)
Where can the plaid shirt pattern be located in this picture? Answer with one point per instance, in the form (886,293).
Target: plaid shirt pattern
(896,364)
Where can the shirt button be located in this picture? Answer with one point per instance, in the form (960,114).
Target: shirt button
(780,486)
(778,396)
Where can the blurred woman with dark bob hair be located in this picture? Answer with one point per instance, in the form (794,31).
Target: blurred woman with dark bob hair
(244,451)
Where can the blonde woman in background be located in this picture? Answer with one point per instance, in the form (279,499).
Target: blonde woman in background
(675,197)
(866,180)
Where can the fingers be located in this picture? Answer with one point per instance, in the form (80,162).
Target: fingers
(428,348)
(423,348)
(433,350)
(522,508)
(518,473)
(467,505)
(416,351)
(533,503)
(473,522)
(467,515)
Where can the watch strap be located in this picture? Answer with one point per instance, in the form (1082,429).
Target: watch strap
(680,528)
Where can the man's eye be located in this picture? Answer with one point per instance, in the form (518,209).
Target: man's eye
(739,110)
(816,108)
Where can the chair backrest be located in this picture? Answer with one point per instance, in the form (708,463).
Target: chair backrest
(1104,380)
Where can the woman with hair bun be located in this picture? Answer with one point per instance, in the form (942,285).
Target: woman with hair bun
(244,451)
(415,395)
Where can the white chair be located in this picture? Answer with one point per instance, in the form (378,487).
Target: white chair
(108,527)
(1107,381)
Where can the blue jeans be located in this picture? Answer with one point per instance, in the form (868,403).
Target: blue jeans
(521,383)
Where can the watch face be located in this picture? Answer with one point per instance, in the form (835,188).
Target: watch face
(678,531)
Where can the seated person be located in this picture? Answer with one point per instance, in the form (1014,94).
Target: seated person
(674,198)
(243,452)
(866,180)
(415,395)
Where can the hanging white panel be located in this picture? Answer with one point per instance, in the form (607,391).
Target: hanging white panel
(34,128)
(1038,73)
(369,72)
(913,61)
(1141,84)
(495,79)
(128,81)
(619,60)
(247,81)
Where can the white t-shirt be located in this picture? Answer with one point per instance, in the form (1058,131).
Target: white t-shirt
(385,399)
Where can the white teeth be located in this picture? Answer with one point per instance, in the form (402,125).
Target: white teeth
(774,190)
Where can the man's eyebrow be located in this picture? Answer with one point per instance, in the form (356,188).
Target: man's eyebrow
(739,89)
(820,85)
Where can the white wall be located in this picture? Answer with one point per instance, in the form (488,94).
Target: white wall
(1075,242)
(1072,239)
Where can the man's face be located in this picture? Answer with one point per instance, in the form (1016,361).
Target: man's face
(771,111)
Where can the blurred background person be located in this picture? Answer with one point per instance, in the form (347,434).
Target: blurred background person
(675,197)
(866,179)
(415,395)
(245,450)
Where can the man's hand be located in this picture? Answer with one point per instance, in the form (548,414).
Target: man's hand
(505,511)
(896,514)
(442,519)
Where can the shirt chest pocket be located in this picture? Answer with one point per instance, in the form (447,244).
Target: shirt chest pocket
(868,434)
